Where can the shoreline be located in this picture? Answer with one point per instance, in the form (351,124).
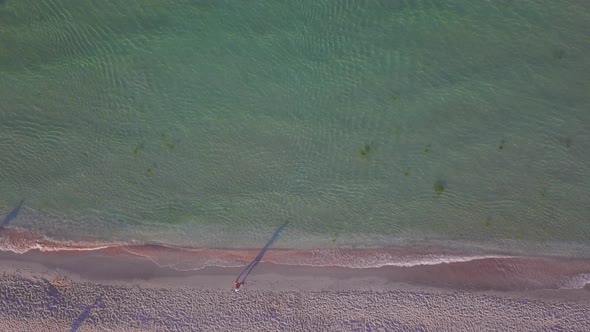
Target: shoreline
(421,266)
(194,258)
(116,266)
(125,292)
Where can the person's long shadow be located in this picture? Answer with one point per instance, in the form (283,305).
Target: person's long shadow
(85,314)
(244,274)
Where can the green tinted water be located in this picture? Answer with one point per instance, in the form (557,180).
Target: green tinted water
(208,123)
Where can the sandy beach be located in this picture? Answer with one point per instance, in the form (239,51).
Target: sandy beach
(104,290)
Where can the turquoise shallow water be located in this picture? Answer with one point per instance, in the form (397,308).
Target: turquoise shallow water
(367,123)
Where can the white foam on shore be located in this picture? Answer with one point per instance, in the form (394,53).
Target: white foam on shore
(187,259)
(198,259)
(372,258)
(576,282)
(376,262)
(20,242)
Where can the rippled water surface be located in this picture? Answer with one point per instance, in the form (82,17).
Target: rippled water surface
(367,123)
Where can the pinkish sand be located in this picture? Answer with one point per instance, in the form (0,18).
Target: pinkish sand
(48,291)
(54,286)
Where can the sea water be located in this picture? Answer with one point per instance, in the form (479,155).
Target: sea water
(365,123)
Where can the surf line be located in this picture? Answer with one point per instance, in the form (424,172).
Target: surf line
(244,274)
